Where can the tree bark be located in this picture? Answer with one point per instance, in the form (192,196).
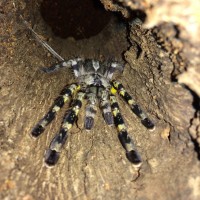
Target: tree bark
(161,72)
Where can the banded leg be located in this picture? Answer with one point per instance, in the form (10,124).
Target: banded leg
(58,104)
(134,107)
(52,154)
(63,64)
(113,67)
(105,106)
(128,144)
(91,108)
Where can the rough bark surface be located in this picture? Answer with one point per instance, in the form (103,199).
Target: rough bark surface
(93,164)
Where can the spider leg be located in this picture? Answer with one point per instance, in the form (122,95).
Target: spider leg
(134,107)
(91,108)
(105,106)
(64,64)
(56,67)
(127,143)
(52,154)
(113,67)
(58,104)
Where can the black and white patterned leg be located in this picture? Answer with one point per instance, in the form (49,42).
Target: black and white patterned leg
(134,107)
(53,153)
(56,67)
(91,108)
(63,64)
(58,104)
(112,68)
(126,141)
(105,106)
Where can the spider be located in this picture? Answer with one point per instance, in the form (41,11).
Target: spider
(94,83)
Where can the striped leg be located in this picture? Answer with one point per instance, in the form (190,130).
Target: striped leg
(63,64)
(59,102)
(52,154)
(134,107)
(91,108)
(56,67)
(112,68)
(105,106)
(128,144)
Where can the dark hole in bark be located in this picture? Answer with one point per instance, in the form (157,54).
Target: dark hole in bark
(137,14)
(196,99)
(77,19)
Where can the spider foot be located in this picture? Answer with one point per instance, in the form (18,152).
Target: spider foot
(89,123)
(52,154)
(108,117)
(51,157)
(144,119)
(148,124)
(37,130)
(134,157)
(131,151)
(40,127)
(106,107)
(91,108)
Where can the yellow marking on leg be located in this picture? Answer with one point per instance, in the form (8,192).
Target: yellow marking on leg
(56,109)
(76,111)
(116,84)
(113,90)
(130,102)
(43,123)
(78,87)
(122,92)
(65,98)
(67,125)
(115,112)
(113,99)
(121,127)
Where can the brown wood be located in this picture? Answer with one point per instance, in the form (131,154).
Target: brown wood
(93,164)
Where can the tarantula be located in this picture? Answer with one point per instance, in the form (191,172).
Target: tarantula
(94,83)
